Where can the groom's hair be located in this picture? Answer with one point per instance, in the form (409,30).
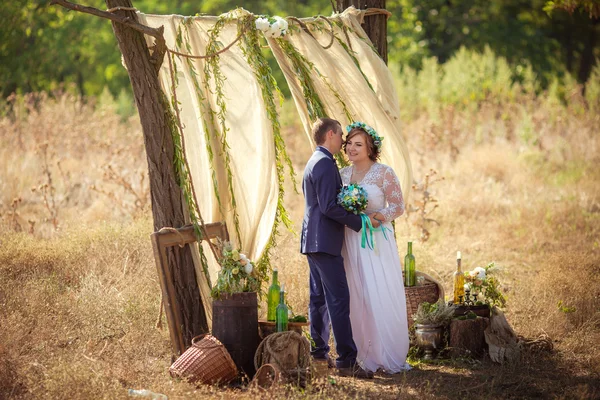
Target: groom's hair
(322,126)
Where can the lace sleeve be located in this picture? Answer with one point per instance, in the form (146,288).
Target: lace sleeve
(345,174)
(393,196)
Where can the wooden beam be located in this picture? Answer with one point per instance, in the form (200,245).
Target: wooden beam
(161,241)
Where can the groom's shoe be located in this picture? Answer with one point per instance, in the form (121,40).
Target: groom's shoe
(355,372)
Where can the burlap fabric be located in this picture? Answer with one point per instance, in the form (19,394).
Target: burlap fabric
(289,353)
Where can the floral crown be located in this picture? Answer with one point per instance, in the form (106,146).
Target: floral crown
(370,131)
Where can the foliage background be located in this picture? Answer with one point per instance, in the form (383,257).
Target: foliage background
(43,46)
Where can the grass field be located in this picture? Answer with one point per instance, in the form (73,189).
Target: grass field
(79,293)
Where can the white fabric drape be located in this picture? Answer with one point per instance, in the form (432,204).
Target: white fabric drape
(378,107)
(250,134)
(250,138)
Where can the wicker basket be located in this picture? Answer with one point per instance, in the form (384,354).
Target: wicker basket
(427,289)
(206,361)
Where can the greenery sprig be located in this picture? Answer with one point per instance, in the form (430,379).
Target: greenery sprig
(182,175)
(212,69)
(304,70)
(201,98)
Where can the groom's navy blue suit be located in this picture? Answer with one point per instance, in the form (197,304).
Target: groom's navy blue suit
(321,241)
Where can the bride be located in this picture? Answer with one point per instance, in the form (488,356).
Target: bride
(377,300)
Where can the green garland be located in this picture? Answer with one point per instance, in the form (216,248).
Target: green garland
(202,102)
(304,70)
(212,69)
(251,49)
(182,174)
(349,51)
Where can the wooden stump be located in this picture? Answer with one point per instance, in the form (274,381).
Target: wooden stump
(467,336)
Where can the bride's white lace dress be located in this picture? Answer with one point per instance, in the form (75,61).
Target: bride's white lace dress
(377,301)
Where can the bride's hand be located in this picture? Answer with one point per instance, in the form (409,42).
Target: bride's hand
(374,221)
(379,217)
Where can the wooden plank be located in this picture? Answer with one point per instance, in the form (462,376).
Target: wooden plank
(168,295)
(184,235)
(161,241)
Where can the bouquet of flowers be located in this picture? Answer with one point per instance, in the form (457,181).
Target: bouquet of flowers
(479,281)
(237,272)
(353,198)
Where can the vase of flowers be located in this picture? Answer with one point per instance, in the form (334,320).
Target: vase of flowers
(235,306)
(430,321)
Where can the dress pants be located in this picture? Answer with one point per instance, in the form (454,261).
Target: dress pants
(330,302)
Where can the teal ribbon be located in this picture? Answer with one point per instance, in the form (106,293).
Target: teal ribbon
(367,232)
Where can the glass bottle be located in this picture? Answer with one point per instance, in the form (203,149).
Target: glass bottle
(273,297)
(282,313)
(459,281)
(409,267)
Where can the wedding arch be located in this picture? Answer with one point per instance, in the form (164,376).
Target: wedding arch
(221,110)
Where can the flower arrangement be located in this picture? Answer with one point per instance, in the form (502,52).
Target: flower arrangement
(377,140)
(237,272)
(271,26)
(353,198)
(480,282)
(438,313)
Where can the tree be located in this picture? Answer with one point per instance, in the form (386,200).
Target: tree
(167,205)
(592,7)
(375,25)
(37,51)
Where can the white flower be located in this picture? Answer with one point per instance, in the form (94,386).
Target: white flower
(281,24)
(480,272)
(274,31)
(243,259)
(248,268)
(262,24)
(467,286)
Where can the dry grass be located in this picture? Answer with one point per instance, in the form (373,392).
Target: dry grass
(79,302)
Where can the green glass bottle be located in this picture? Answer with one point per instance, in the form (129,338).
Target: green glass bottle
(409,267)
(282,313)
(273,297)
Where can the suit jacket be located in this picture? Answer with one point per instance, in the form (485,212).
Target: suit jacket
(324,219)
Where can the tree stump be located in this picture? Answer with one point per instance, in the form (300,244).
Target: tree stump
(467,336)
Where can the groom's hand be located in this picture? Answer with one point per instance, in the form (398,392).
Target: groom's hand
(374,222)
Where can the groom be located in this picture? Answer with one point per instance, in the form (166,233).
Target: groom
(321,241)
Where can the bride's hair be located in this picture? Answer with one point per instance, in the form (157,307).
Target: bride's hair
(322,126)
(373,151)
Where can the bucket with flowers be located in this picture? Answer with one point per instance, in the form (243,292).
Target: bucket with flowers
(235,306)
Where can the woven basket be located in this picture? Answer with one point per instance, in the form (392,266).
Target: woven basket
(428,290)
(206,361)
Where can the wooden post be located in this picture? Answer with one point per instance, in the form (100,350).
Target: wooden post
(375,25)
(167,204)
